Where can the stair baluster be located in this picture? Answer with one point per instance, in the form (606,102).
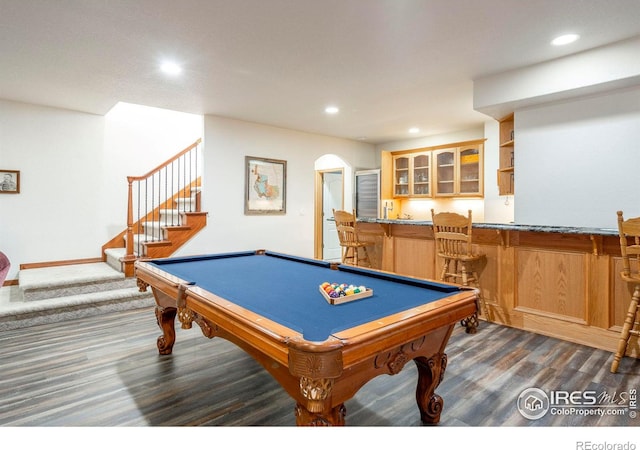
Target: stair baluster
(154,201)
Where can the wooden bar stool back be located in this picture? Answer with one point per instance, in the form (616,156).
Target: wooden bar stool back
(354,251)
(453,236)
(629,231)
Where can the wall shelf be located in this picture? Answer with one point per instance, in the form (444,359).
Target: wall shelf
(506,172)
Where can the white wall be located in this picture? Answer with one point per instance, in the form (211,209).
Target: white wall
(576,127)
(138,139)
(432,141)
(577,161)
(73,169)
(74,166)
(58,154)
(598,70)
(227,142)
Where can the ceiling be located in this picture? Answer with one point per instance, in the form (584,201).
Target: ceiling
(387,64)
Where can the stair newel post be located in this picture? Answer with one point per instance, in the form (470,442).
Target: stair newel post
(129,258)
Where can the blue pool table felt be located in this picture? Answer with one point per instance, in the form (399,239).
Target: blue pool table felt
(286,289)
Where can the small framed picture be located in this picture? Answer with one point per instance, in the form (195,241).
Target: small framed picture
(265,190)
(9,181)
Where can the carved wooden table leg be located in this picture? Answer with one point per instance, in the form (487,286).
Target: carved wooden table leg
(317,372)
(335,417)
(470,323)
(430,374)
(166,318)
(142,285)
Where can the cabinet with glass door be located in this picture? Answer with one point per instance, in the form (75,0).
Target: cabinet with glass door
(445,171)
(412,175)
(470,172)
(421,174)
(401,176)
(459,171)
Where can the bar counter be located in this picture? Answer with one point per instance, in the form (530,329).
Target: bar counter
(553,280)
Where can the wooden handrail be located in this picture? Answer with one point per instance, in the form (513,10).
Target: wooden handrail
(166,163)
(130,256)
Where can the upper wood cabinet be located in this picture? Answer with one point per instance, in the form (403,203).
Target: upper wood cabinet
(455,169)
(470,160)
(445,171)
(421,174)
(459,171)
(412,175)
(506,181)
(401,172)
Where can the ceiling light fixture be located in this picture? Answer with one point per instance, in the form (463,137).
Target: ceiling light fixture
(331,110)
(414,130)
(171,68)
(565,39)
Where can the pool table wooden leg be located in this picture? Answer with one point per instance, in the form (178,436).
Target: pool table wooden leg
(165,316)
(471,323)
(430,374)
(335,417)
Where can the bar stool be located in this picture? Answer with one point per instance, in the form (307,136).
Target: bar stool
(349,241)
(452,233)
(629,228)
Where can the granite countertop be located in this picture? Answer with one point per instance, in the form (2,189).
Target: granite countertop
(508,227)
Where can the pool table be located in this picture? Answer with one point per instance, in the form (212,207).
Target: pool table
(270,305)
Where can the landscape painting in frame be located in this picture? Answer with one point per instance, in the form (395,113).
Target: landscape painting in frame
(9,181)
(265,186)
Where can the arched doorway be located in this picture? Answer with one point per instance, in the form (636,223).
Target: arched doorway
(333,189)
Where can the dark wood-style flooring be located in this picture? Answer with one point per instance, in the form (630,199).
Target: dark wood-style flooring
(105,371)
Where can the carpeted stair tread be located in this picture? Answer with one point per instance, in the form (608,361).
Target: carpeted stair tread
(68,292)
(64,281)
(48,277)
(24,314)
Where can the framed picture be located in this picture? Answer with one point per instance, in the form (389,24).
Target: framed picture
(265,190)
(9,181)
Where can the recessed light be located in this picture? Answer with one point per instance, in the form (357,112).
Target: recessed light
(331,110)
(414,130)
(565,39)
(171,68)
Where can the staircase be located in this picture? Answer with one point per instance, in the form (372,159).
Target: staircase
(167,202)
(162,237)
(166,205)
(59,293)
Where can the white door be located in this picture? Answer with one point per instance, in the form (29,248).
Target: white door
(331,198)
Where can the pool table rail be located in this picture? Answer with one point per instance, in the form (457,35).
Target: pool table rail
(406,326)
